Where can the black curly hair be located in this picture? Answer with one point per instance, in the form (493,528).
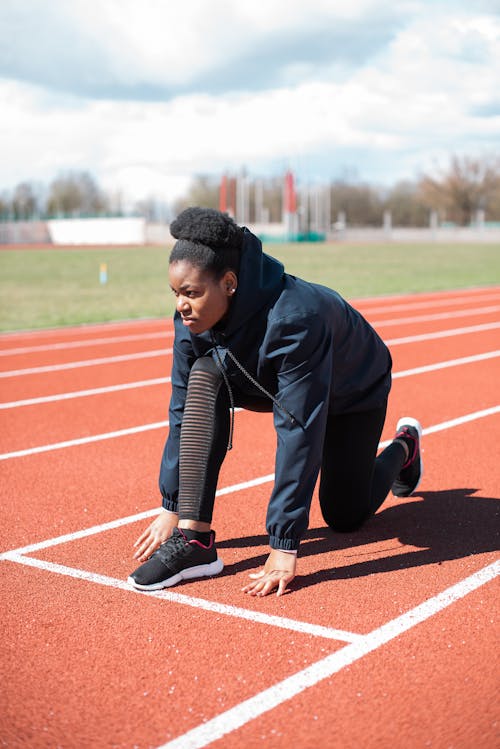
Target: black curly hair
(207,238)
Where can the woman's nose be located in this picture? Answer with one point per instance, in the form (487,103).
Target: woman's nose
(182,303)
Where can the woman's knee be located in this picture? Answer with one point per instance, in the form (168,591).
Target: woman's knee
(343,519)
(343,525)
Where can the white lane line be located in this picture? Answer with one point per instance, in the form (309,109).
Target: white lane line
(89,327)
(84,440)
(462,420)
(281,692)
(317,630)
(94,530)
(437,298)
(88,342)
(468,293)
(268,478)
(159,352)
(84,393)
(77,535)
(446,364)
(363,643)
(86,363)
(437,316)
(161,380)
(431,303)
(169,333)
(443,334)
(157,425)
(454,422)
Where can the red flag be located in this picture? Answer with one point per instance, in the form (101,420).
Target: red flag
(290,196)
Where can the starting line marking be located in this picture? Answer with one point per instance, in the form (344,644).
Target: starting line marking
(317,630)
(284,690)
(268,699)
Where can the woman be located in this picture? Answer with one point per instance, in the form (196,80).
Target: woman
(248,334)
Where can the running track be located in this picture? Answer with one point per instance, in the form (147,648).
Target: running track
(388,638)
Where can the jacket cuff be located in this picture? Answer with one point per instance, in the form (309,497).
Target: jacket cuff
(170,504)
(284,544)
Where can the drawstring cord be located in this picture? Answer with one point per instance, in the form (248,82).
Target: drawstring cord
(252,380)
(229,391)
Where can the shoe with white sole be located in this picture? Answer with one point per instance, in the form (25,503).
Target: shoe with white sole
(409,430)
(175,560)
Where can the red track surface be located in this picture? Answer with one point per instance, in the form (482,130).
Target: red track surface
(388,636)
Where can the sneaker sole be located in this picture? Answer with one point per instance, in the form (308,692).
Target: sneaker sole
(418,426)
(202,570)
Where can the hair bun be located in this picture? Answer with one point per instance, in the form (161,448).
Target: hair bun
(207,226)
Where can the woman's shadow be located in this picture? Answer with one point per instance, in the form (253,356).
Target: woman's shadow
(446,525)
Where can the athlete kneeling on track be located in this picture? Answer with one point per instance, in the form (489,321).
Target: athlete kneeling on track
(247,334)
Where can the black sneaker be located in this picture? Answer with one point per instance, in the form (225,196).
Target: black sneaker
(409,430)
(177,559)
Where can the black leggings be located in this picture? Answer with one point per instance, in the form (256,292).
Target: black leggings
(354,481)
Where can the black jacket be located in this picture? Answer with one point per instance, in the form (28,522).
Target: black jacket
(311,350)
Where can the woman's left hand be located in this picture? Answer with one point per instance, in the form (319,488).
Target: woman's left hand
(278,571)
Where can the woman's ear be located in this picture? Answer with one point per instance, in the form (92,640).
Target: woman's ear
(230,282)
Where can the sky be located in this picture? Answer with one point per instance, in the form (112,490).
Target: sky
(146,95)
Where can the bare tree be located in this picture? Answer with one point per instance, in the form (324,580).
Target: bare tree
(362,205)
(24,202)
(76,194)
(273,198)
(465,187)
(5,206)
(203,191)
(406,205)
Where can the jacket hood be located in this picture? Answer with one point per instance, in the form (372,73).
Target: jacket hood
(260,280)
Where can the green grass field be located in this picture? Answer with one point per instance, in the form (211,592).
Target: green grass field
(52,287)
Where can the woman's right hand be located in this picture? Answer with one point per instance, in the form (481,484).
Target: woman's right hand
(158,532)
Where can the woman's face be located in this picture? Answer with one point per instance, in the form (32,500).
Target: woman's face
(202,301)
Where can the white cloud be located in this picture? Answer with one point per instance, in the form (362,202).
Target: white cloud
(419,93)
